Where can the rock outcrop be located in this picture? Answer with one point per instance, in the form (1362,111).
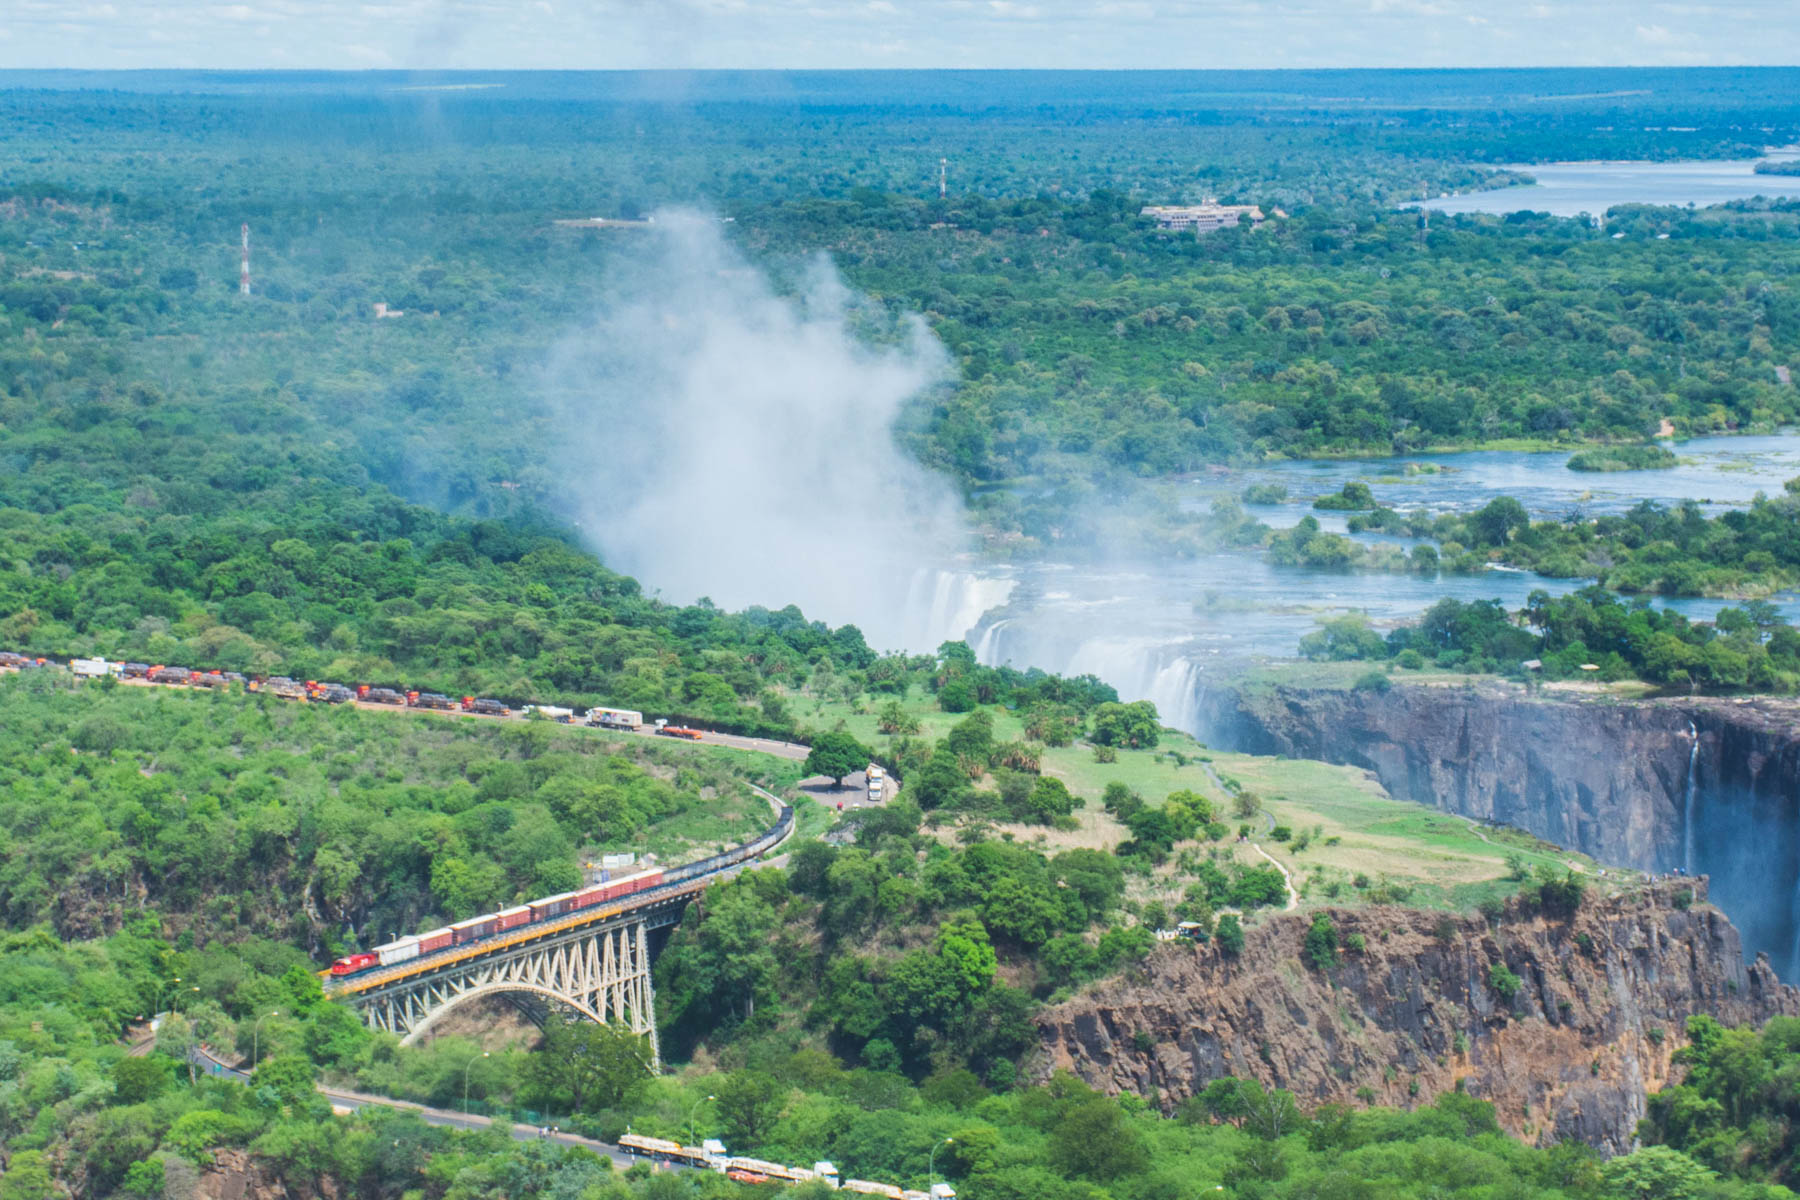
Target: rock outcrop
(1709,786)
(1601,1003)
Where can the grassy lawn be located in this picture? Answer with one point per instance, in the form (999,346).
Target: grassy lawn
(1448,861)
(1360,836)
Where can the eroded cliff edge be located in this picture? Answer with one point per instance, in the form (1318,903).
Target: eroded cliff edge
(1708,785)
(1602,1005)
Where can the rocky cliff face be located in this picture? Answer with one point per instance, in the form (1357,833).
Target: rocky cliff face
(1711,786)
(1601,1006)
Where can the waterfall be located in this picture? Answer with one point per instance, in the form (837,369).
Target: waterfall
(1793,971)
(987,646)
(942,606)
(1687,803)
(1145,669)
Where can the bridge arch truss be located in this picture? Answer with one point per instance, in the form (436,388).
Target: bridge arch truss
(600,971)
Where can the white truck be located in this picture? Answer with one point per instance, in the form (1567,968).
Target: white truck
(616,718)
(93,668)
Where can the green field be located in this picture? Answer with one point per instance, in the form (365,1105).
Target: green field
(1360,837)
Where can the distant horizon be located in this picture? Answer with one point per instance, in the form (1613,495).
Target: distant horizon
(921,35)
(1492,68)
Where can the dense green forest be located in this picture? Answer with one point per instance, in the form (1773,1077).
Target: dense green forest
(237,816)
(1088,346)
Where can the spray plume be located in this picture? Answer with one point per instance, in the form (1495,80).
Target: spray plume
(728,440)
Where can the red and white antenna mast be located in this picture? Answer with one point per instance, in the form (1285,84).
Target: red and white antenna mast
(244,276)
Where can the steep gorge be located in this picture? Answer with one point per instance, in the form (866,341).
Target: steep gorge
(1601,1006)
(1710,786)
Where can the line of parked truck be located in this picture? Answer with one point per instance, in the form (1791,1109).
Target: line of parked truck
(710,1155)
(323,692)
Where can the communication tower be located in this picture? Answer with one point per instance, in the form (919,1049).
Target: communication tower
(244,275)
(943,177)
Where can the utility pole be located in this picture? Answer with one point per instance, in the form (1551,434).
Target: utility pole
(943,177)
(244,275)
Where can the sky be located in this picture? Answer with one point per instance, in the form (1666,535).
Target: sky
(800,34)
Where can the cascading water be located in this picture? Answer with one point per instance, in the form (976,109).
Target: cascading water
(987,646)
(1793,971)
(942,606)
(1687,803)
(1143,669)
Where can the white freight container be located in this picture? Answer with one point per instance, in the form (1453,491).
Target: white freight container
(612,862)
(400,951)
(93,668)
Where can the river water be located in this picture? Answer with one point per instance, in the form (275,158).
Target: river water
(1571,189)
(1153,629)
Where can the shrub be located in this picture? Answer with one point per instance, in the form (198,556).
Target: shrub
(1373,680)
(1321,948)
(1230,935)
(1505,984)
(1280,833)
(957,696)
(1411,660)
(1560,895)
(1356,943)
(1105,754)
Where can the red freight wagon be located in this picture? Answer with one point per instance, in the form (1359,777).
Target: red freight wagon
(474,929)
(512,918)
(634,883)
(551,906)
(437,939)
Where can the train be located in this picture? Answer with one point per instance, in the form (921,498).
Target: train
(550,908)
(711,1155)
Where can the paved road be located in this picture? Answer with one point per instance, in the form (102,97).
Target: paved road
(347,1101)
(780,749)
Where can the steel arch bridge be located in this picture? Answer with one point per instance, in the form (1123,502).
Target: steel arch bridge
(598,967)
(594,962)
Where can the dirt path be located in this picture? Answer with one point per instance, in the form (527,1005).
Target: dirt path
(1286,879)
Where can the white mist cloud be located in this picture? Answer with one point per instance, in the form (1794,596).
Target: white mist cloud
(724,439)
